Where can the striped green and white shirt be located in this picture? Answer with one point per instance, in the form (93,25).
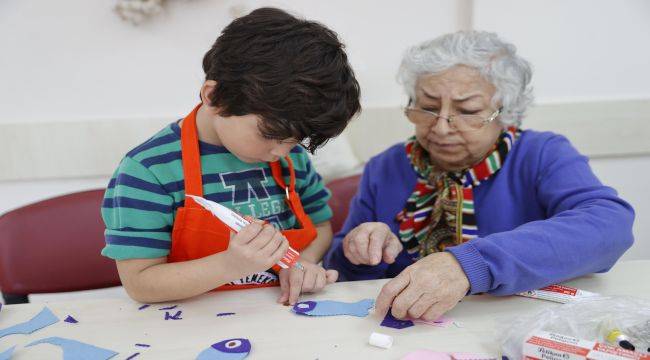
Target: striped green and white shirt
(147,188)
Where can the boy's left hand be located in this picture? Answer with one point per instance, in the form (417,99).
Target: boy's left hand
(294,281)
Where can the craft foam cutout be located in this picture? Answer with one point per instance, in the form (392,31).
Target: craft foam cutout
(6,355)
(76,350)
(395,323)
(231,349)
(43,319)
(333,308)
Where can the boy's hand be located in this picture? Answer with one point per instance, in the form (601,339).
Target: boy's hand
(295,281)
(257,247)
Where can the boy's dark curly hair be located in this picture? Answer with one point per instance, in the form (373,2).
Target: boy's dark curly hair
(293,73)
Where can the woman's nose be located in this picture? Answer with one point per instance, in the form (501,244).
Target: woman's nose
(442,126)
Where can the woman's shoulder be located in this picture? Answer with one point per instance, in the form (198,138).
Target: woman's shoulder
(537,149)
(390,166)
(533,142)
(394,155)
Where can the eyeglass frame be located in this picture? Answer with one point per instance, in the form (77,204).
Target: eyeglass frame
(450,118)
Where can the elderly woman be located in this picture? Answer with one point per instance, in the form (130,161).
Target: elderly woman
(471,203)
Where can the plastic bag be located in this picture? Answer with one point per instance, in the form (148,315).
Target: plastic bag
(589,319)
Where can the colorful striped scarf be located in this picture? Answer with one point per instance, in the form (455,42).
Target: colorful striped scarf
(440,211)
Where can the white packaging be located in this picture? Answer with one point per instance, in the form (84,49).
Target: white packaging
(558,293)
(544,345)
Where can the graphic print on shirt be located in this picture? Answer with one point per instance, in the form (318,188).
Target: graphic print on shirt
(250,195)
(245,183)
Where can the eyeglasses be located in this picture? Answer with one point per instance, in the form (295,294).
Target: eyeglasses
(460,122)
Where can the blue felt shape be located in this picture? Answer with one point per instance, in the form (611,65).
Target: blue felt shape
(231,349)
(6,355)
(76,350)
(41,320)
(71,320)
(144,307)
(133,356)
(332,308)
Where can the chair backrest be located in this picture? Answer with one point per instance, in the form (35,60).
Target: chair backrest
(343,190)
(54,246)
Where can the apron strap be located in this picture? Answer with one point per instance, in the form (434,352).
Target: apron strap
(276,170)
(292,197)
(191,157)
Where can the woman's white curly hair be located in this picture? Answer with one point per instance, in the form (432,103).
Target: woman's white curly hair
(496,60)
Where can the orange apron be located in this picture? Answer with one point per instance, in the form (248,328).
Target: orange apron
(197,233)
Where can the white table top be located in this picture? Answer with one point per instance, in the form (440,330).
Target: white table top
(275,332)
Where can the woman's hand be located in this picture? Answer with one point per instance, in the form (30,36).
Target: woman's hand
(426,289)
(294,281)
(369,243)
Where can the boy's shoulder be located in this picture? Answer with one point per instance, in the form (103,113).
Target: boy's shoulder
(300,158)
(165,141)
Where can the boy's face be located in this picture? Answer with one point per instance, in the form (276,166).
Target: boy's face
(242,137)
(239,134)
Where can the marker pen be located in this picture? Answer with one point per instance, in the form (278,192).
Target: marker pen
(236,222)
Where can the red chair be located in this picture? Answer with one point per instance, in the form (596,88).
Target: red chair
(54,246)
(343,190)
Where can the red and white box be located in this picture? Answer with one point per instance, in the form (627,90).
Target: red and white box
(543,345)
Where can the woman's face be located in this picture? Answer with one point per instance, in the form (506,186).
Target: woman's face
(458,90)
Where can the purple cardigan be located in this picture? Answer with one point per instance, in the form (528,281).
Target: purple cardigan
(543,219)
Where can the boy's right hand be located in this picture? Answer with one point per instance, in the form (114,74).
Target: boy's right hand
(257,247)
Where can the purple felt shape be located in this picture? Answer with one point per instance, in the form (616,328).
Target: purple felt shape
(176,316)
(169,307)
(71,320)
(143,345)
(144,307)
(132,356)
(233,346)
(392,322)
(304,307)
(226,314)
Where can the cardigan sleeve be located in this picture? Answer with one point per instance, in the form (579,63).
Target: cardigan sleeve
(587,229)
(362,210)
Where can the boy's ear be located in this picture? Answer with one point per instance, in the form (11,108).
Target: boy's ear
(207,89)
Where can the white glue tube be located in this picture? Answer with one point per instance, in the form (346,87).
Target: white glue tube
(558,293)
(236,222)
(381,340)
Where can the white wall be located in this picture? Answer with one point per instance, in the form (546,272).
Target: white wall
(76,61)
(580,49)
(626,176)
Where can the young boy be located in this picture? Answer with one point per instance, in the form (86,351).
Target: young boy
(275,86)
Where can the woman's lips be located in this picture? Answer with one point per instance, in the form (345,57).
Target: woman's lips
(446,146)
